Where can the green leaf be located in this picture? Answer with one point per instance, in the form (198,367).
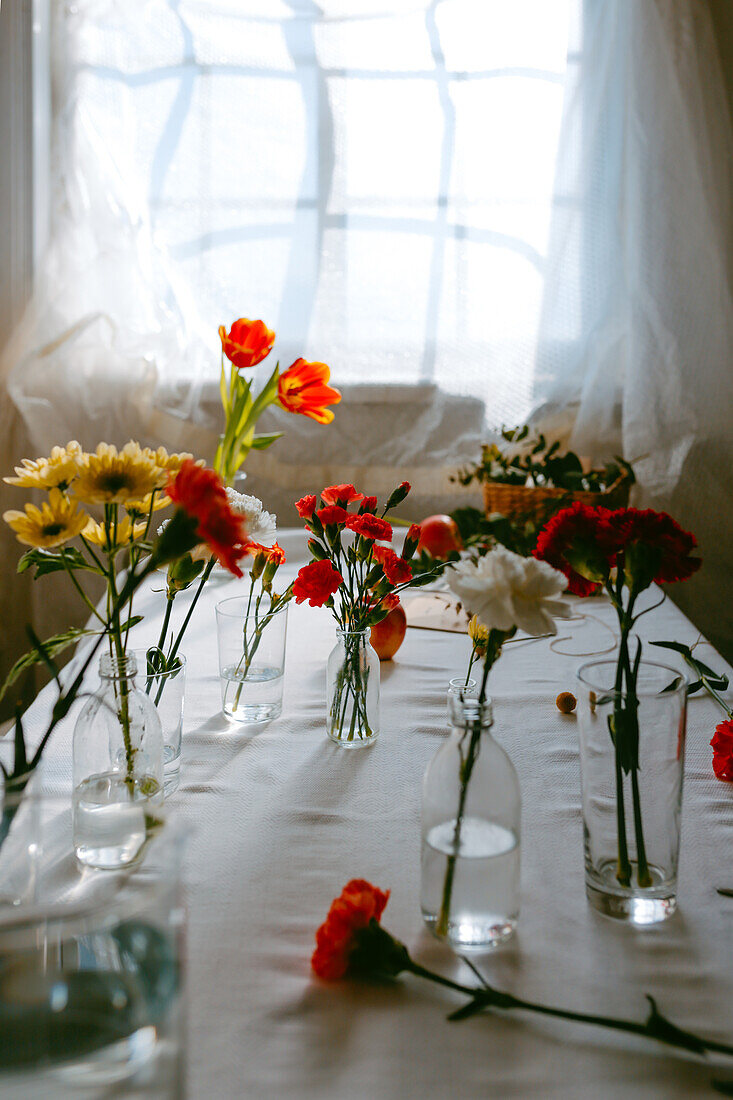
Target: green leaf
(678,647)
(224,391)
(51,561)
(420,582)
(50,648)
(20,765)
(260,442)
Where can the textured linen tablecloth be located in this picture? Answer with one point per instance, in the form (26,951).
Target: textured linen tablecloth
(283,818)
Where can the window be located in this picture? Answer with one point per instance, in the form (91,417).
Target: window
(373,178)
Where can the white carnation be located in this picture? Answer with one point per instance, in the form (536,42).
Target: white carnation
(261,525)
(505,590)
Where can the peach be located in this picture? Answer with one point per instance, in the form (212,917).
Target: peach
(388,636)
(439,536)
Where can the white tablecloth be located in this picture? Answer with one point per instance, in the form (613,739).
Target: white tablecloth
(284,818)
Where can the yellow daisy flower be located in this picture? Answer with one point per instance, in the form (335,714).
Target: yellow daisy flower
(173,462)
(111,477)
(54,523)
(56,471)
(123,534)
(479,635)
(140,509)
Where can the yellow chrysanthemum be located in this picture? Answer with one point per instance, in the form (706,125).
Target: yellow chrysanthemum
(54,472)
(54,523)
(479,635)
(140,509)
(111,477)
(122,534)
(171,463)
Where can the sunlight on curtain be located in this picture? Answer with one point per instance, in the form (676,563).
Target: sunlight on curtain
(374,179)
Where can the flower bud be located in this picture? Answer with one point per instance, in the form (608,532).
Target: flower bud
(412,538)
(270,570)
(317,550)
(398,495)
(259,563)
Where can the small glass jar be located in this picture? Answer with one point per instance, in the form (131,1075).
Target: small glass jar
(168,692)
(118,768)
(471,809)
(352,691)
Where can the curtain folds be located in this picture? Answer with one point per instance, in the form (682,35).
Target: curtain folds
(651,376)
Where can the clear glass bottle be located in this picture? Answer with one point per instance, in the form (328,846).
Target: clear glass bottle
(352,690)
(471,810)
(118,768)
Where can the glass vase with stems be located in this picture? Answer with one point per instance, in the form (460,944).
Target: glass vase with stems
(251,633)
(202,514)
(357,577)
(623,552)
(352,690)
(632,753)
(471,802)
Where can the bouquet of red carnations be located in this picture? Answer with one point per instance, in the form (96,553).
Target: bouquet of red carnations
(357,576)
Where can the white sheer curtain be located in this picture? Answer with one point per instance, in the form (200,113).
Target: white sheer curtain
(374,179)
(644,261)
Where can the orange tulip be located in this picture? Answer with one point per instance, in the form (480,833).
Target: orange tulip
(302,389)
(248,342)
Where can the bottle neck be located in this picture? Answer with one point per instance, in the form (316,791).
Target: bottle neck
(112,667)
(354,637)
(468,713)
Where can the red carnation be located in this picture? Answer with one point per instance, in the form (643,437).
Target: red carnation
(370,527)
(274,554)
(306,506)
(340,494)
(368,504)
(200,492)
(395,569)
(337,938)
(333,514)
(655,547)
(581,543)
(722,744)
(316,582)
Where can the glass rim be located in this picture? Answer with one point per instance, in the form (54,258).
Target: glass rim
(460,682)
(344,633)
(141,655)
(230,613)
(648,693)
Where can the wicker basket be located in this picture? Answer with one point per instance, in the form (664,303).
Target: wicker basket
(538,503)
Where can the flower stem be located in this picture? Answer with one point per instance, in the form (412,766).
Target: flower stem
(655,1027)
(493,649)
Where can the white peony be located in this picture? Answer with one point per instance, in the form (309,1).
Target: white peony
(505,590)
(261,525)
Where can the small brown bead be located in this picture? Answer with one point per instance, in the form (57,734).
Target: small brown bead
(566,702)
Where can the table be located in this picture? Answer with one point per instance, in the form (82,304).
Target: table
(283,818)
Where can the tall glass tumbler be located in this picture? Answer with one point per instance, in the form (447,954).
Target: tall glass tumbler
(251,658)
